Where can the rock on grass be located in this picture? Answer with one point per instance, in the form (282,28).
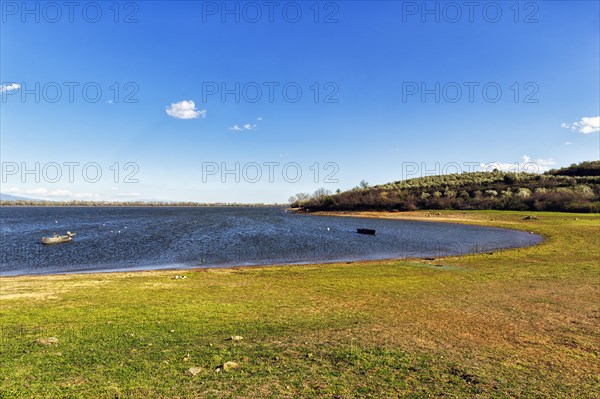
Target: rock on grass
(47,341)
(227,367)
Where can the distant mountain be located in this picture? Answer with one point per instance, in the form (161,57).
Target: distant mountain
(8,197)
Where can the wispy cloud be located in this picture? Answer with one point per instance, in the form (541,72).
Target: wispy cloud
(6,88)
(70,194)
(185,110)
(247,126)
(527,164)
(45,193)
(586,125)
(539,161)
(66,195)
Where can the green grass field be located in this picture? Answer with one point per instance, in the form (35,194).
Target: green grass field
(518,323)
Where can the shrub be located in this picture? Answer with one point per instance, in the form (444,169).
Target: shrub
(329,201)
(584,207)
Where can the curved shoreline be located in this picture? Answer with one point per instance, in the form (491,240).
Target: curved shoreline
(448,217)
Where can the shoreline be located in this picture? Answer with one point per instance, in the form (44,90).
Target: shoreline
(451,217)
(444,216)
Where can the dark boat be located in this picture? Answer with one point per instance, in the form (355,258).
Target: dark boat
(366,231)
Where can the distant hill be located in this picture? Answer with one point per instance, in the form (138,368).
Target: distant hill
(8,197)
(572,189)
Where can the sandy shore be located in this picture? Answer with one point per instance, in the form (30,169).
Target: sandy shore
(468,217)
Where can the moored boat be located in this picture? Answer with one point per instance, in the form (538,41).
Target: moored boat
(366,231)
(56,239)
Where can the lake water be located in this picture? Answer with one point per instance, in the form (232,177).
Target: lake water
(111,239)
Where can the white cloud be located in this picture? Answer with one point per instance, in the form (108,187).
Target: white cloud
(45,193)
(541,162)
(9,87)
(62,194)
(129,195)
(247,126)
(568,143)
(259,118)
(37,191)
(70,194)
(527,165)
(586,125)
(185,110)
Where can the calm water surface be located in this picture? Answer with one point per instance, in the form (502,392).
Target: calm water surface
(111,239)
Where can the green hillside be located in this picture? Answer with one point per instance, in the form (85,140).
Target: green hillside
(572,189)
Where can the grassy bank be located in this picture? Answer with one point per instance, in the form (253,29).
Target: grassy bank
(516,323)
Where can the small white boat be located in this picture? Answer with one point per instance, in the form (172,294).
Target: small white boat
(56,239)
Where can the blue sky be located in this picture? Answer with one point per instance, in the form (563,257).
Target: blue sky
(362,68)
